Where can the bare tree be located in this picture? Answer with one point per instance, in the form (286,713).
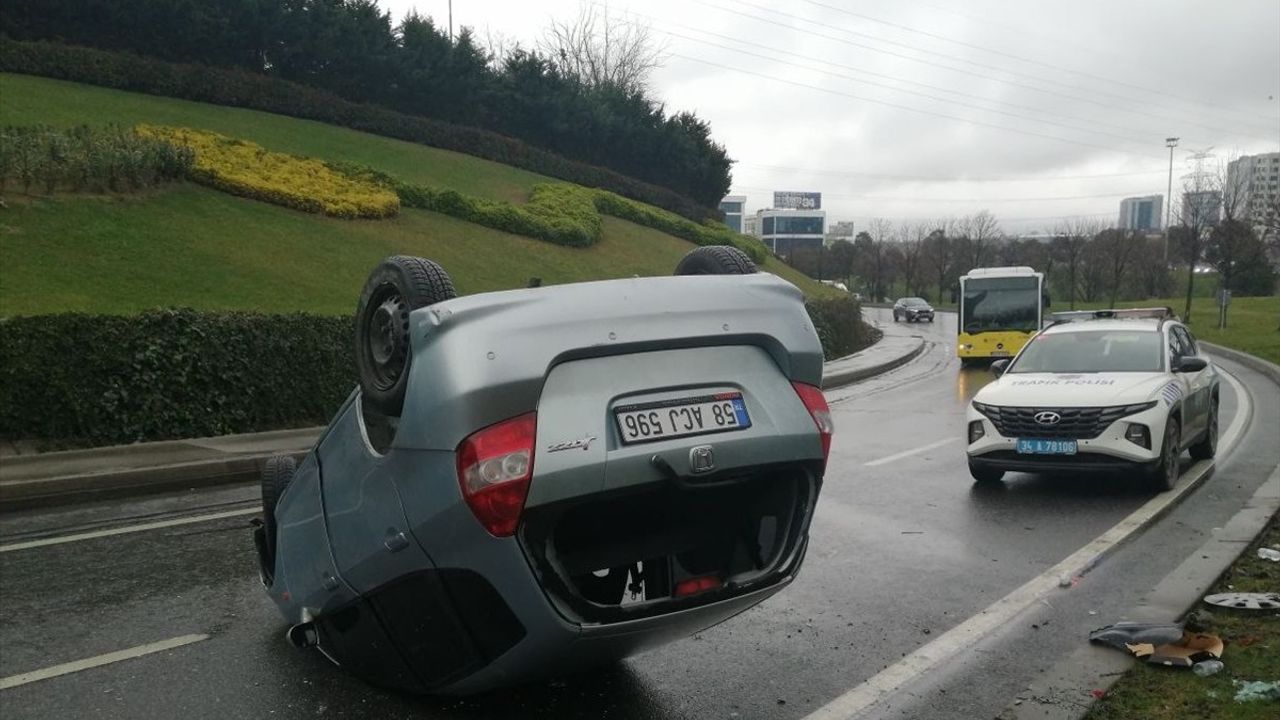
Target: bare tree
(979,233)
(911,237)
(1116,250)
(601,50)
(499,46)
(1068,245)
(939,254)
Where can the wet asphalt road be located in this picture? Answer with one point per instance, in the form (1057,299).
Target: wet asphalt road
(900,551)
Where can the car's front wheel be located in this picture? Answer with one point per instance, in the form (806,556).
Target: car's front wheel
(985,475)
(1164,475)
(275,477)
(1208,445)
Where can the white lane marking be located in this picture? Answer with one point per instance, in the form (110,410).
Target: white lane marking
(909,453)
(44,542)
(98,661)
(932,655)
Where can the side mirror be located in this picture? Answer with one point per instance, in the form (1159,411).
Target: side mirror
(999,366)
(1190,364)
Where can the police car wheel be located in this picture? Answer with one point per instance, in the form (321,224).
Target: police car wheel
(984,475)
(1164,474)
(1208,445)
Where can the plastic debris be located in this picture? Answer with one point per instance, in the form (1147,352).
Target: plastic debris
(1159,643)
(1269,554)
(1205,668)
(1256,690)
(1245,601)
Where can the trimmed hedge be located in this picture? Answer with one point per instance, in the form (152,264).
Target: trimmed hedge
(85,159)
(165,374)
(243,168)
(86,379)
(560,213)
(244,89)
(840,326)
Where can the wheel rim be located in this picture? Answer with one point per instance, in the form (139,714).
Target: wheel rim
(385,340)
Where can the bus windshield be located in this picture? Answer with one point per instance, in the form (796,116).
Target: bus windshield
(1009,303)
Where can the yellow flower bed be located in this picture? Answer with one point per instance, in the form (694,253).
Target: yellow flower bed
(247,169)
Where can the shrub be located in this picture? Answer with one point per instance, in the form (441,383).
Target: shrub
(86,159)
(840,326)
(248,90)
(100,379)
(244,168)
(165,374)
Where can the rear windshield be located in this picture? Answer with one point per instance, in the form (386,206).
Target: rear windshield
(1092,351)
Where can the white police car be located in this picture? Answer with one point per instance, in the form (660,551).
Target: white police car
(1099,390)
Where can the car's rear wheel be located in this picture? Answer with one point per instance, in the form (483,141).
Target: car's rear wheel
(1208,445)
(396,287)
(985,475)
(1164,475)
(715,260)
(275,477)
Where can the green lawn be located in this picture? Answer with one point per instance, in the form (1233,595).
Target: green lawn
(1253,323)
(29,100)
(1252,653)
(191,246)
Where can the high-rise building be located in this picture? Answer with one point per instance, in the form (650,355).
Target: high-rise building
(1201,208)
(732,206)
(1253,185)
(785,230)
(1141,213)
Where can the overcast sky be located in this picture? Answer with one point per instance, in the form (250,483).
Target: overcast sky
(914,109)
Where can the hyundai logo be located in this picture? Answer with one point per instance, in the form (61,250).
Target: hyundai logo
(1048,417)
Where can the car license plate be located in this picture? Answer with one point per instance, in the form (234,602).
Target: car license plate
(1036,446)
(681,417)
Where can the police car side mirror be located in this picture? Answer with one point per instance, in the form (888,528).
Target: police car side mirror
(1190,364)
(998,367)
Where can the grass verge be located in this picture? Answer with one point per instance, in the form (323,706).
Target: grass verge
(1252,653)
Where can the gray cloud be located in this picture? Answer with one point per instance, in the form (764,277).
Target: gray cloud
(1125,75)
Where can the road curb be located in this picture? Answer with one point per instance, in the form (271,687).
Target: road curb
(853,375)
(1068,689)
(38,489)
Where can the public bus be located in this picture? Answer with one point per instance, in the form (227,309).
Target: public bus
(1000,309)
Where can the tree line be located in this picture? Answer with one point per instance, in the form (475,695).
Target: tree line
(574,95)
(1084,260)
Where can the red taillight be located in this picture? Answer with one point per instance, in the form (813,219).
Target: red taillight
(816,404)
(693,586)
(494,467)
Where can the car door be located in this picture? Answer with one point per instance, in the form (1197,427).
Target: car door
(1181,392)
(1199,384)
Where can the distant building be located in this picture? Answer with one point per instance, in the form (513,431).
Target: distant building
(732,206)
(1202,208)
(786,230)
(1141,213)
(1257,179)
(751,225)
(842,230)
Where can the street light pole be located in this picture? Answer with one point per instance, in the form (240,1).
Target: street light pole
(1171,143)
(451,28)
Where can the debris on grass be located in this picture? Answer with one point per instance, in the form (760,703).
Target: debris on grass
(1160,643)
(1267,553)
(1256,690)
(1245,600)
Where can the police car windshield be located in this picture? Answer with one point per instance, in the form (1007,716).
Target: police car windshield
(1090,351)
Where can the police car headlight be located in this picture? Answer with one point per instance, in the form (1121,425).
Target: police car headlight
(1134,409)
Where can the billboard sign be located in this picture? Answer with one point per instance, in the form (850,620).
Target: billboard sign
(792,200)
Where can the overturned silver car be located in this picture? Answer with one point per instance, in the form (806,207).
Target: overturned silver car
(532,481)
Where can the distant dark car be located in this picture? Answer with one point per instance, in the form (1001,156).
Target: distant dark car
(912,309)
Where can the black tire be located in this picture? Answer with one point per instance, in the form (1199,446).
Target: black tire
(895,317)
(984,475)
(396,287)
(1164,474)
(1208,445)
(276,474)
(715,260)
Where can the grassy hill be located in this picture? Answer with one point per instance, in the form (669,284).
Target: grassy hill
(194,247)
